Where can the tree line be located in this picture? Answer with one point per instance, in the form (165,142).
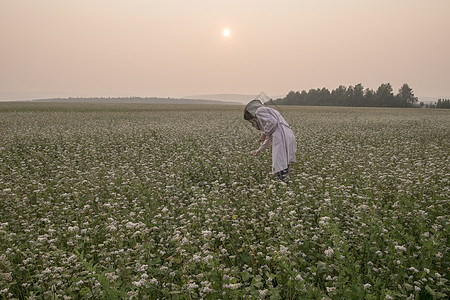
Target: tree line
(356,96)
(443,103)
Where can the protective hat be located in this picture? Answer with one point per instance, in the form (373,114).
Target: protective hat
(250,109)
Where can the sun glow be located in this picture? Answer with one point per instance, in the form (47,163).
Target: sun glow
(226,32)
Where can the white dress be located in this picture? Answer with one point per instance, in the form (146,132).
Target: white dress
(280,135)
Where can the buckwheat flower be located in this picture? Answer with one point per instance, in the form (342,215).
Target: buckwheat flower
(426,270)
(413,269)
(206,290)
(111,228)
(367,286)
(132,294)
(207,258)
(284,250)
(130,225)
(206,233)
(73,228)
(330,289)
(401,248)
(153,281)
(232,286)
(137,283)
(329,252)
(417,289)
(6,276)
(191,286)
(324,220)
(163,268)
(299,277)
(388,297)
(262,293)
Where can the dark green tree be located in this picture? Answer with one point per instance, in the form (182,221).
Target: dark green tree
(443,103)
(338,96)
(406,96)
(384,95)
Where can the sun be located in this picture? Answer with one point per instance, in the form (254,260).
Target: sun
(226,32)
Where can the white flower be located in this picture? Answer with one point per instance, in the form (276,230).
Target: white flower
(191,286)
(73,229)
(299,277)
(137,283)
(206,233)
(196,258)
(401,248)
(284,250)
(367,286)
(207,258)
(206,290)
(131,225)
(329,252)
(232,286)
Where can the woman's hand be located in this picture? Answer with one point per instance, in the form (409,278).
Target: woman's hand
(254,153)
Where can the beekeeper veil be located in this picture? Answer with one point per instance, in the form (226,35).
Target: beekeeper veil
(250,112)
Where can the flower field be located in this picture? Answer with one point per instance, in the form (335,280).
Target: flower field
(164,202)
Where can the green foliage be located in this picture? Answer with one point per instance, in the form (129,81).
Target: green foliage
(165,202)
(354,96)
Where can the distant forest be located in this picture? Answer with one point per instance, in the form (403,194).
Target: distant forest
(358,96)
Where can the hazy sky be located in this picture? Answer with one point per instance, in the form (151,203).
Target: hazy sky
(177,48)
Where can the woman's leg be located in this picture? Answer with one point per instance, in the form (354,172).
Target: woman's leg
(284,175)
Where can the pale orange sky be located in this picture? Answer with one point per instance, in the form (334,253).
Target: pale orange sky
(177,48)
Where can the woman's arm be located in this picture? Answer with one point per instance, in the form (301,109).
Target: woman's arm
(264,146)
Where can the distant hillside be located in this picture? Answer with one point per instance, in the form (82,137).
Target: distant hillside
(240,98)
(141,100)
